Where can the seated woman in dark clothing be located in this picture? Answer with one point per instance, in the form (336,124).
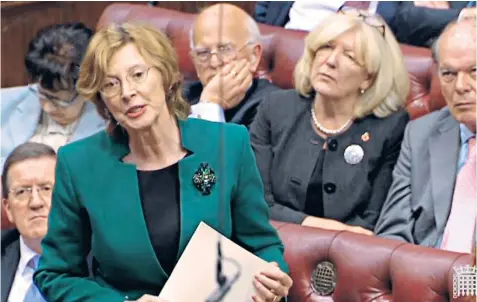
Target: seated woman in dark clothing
(326,150)
(134,195)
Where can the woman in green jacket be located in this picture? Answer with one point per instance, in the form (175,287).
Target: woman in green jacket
(134,194)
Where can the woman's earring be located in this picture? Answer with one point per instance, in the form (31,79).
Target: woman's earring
(107,114)
(362,91)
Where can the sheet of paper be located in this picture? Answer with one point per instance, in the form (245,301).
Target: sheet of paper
(194,277)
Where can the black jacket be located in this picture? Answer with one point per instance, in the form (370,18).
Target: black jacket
(285,146)
(10,259)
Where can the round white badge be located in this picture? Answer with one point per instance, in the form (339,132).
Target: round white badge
(353,154)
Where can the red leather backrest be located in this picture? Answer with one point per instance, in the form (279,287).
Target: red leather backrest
(368,268)
(282,49)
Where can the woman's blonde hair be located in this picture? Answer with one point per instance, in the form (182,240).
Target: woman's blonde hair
(380,56)
(156,50)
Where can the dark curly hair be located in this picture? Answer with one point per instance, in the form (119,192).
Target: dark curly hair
(55,54)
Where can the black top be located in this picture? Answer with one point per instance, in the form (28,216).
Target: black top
(160,197)
(314,192)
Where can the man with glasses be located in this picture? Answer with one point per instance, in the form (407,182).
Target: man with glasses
(226,51)
(49,110)
(432,200)
(27,180)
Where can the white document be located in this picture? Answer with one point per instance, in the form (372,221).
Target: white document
(194,276)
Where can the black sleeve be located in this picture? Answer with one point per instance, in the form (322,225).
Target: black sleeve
(260,14)
(419,26)
(260,136)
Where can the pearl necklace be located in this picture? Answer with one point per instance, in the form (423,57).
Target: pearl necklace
(325,130)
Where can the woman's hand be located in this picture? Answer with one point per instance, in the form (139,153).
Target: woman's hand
(148,298)
(272,284)
(329,224)
(358,230)
(432,4)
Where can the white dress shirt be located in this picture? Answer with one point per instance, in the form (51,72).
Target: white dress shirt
(51,133)
(208,111)
(307,14)
(24,274)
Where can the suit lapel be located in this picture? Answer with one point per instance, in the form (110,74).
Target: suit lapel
(190,197)
(309,151)
(23,126)
(444,151)
(135,232)
(9,266)
(236,115)
(353,177)
(124,197)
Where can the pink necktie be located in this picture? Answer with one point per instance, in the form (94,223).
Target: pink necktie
(459,232)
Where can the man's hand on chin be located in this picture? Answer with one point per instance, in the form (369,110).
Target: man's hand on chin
(229,86)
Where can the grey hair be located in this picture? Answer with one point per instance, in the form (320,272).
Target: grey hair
(254,35)
(435,45)
(435,49)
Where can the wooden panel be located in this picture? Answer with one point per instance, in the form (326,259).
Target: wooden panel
(20,22)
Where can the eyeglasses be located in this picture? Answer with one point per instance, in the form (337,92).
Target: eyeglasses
(136,76)
(367,18)
(59,103)
(225,53)
(24,194)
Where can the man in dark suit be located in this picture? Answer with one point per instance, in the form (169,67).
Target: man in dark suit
(432,200)
(27,181)
(226,66)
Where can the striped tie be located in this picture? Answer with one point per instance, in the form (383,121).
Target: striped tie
(33,294)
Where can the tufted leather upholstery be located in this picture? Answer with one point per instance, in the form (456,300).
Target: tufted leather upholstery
(282,49)
(368,268)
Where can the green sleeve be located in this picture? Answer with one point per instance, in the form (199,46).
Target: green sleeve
(63,272)
(251,226)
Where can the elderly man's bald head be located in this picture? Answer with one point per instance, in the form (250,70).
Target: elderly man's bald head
(456,34)
(237,25)
(224,34)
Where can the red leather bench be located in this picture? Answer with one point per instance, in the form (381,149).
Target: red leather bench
(368,268)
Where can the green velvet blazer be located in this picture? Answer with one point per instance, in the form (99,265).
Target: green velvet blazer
(96,207)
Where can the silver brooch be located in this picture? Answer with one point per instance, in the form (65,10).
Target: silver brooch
(353,154)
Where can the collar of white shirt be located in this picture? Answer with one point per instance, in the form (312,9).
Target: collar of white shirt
(53,127)
(26,254)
